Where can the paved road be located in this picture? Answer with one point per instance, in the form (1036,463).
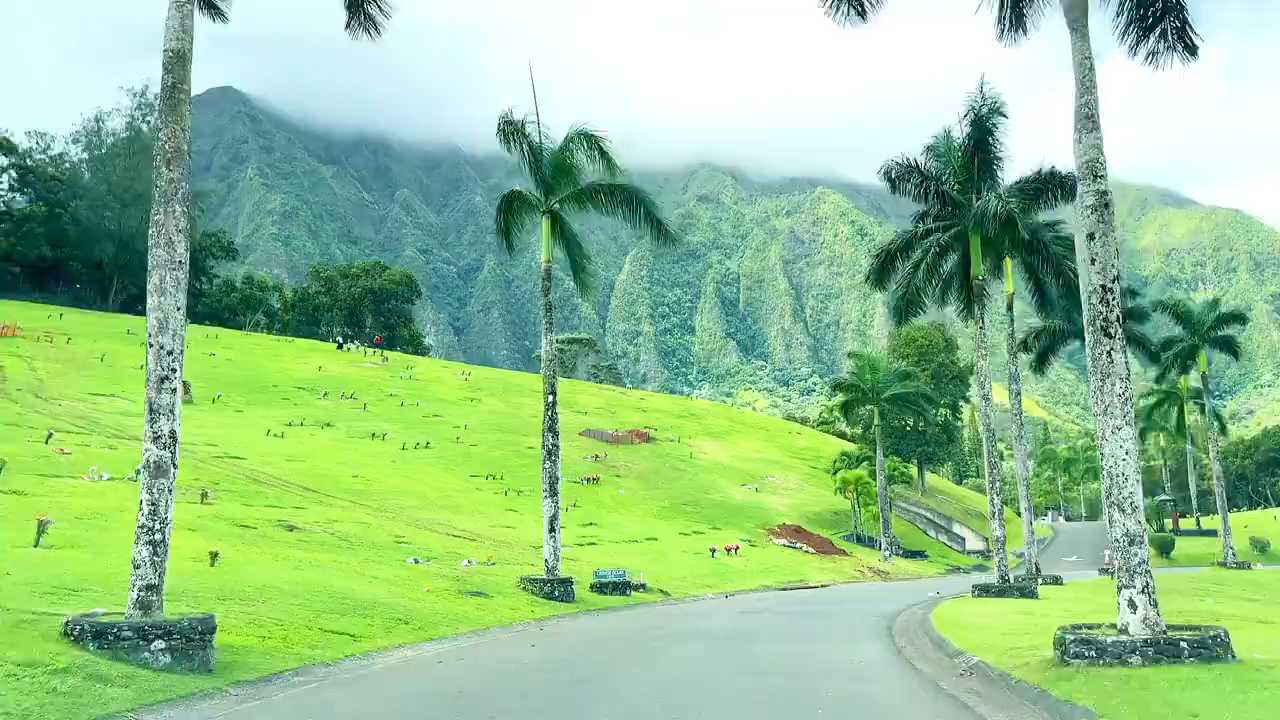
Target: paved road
(1083,540)
(798,654)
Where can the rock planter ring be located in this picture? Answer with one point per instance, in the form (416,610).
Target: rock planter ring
(558,589)
(172,643)
(1018,590)
(1042,579)
(611,587)
(1099,644)
(1235,564)
(1107,571)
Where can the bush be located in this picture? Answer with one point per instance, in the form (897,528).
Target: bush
(1162,543)
(1260,545)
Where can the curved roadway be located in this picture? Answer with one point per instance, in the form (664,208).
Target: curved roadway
(801,654)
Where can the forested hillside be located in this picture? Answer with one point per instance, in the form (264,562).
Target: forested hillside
(759,305)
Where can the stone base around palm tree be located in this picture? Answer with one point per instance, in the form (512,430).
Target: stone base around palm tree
(1101,644)
(1234,564)
(1107,570)
(182,643)
(557,589)
(1013,590)
(1041,579)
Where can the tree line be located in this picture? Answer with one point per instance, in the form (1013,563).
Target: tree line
(74,214)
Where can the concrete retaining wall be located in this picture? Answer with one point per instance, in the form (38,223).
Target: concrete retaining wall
(940,527)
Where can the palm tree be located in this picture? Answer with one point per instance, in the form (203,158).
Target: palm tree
(972,225)
(1063,328)
(1201,328)
(857,487)
(1053,459)
(1159,32)
(1166,408)
(877,385)
(575,176)
(168,248)
(1081,465)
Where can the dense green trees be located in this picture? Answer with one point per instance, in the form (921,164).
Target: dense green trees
(1199,329)
(576,176)
(1252,469)
(876,389)
(932,439)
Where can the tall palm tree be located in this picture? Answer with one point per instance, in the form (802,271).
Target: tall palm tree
(1046,340)
(1157,431)
(971,226)
(575,176)
(1159,33)
(1168,406)
(168,248)
(1201,328)
(875,384)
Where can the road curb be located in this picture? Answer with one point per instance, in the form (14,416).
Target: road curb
(991,693)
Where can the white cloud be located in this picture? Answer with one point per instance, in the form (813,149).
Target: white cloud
(770,85)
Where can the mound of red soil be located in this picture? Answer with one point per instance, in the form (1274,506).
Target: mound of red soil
(795,535)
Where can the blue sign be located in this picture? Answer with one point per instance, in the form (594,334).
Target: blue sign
(611,574)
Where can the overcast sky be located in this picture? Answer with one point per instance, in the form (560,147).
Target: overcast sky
(768,85)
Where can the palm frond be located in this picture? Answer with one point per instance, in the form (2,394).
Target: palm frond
(1180,311)
(1177,357)
(982,132)
(624,202)
(1140,343)
(1226,320)
(581,151)
(850,12)
(366,18)
(1157,32)
(1045,341)
(527,146)
(214,10)
(574,251)
(913,179)
(1043,190)
(1225,344)
(516,210)
(1015,19)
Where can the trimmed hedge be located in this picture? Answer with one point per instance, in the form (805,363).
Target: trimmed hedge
(1259,544)
(1162,543)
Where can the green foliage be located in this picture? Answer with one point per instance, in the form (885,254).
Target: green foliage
(1259,545)
(1252,468)
(1162,543)
(877,389)
(357,301)
(932,438)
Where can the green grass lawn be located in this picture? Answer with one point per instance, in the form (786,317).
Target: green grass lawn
(1241,601)
(1190,551)
(314,528)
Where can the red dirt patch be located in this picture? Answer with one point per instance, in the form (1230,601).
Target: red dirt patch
(796,536)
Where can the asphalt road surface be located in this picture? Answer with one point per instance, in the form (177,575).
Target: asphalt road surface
(799,654)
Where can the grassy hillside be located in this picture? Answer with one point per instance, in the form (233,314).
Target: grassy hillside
(314,527)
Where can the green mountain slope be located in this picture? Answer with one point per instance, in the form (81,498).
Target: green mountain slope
(765,294)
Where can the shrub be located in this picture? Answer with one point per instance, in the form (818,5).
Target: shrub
(1162,543)
(1260,545)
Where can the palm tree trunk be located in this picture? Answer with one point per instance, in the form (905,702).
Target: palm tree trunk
(882,496)
(1110,386)
(986,423)
(168,251)
(550,421)
(853,514)
(1191,464)
(1219,483)
(921,478)
(1164,468)
(1031,553)
(1062,499)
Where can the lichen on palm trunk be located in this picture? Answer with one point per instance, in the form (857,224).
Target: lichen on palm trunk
(1219,483)
(1110,386)
(986,419)
(1031,553)
(168,251)
(550,433)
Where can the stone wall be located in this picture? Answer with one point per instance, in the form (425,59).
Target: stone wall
(1097,644)
(941,527)
(179,643)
